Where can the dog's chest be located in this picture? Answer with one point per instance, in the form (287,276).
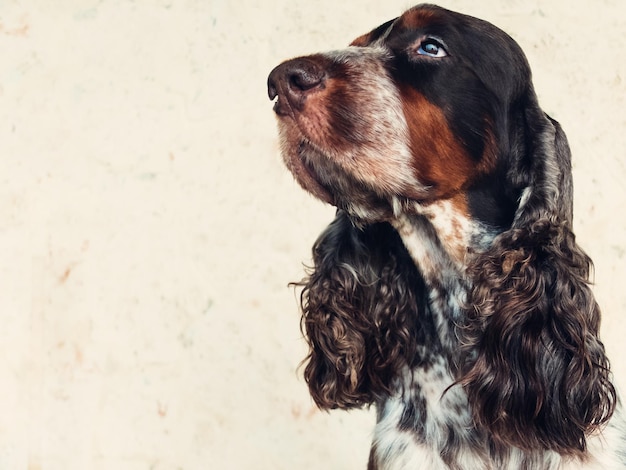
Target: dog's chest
(426,424)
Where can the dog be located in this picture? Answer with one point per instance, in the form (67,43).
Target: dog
(449,291)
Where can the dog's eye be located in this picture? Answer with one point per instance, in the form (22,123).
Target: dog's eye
(432,48)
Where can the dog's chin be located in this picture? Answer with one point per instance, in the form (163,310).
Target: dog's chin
(305,174)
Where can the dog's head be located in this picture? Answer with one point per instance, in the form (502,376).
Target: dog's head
(419,109)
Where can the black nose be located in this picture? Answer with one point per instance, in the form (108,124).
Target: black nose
(292,81)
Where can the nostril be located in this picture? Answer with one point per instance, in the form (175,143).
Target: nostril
(305,79)
(274,82)
(271,89)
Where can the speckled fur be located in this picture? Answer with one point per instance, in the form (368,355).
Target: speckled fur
(449,291)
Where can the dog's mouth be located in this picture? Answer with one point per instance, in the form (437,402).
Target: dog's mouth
(308,153)
(322,176)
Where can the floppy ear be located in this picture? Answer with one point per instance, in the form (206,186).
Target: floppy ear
(537,376)
(359,313)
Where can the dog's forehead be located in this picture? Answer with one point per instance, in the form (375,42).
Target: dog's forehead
(420,18)
(429,19)
(423,17)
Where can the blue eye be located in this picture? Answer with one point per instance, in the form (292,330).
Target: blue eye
(432,48)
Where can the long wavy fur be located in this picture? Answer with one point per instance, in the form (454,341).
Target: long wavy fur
(360,308)
(537,375)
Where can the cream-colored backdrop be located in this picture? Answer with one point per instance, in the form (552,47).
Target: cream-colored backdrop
(148,229)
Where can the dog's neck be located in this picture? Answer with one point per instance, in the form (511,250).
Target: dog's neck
(440,239)
(441,242)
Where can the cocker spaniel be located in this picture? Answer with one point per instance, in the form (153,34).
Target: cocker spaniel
(449,291)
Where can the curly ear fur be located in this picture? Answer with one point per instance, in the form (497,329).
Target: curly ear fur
(538,376)
(360,313)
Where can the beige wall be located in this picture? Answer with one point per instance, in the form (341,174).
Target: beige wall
(148,229)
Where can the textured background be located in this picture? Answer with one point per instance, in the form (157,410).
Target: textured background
(148,229)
